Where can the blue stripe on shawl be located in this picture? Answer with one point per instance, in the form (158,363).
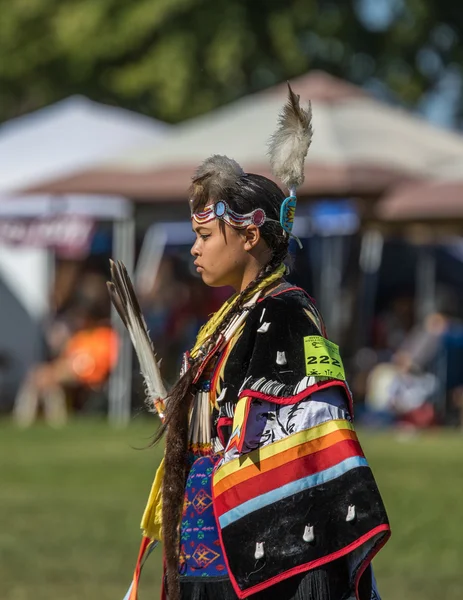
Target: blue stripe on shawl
(290,489)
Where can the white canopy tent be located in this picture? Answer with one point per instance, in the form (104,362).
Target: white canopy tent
(359,143)
(67,137)
(361,147)
(352,130)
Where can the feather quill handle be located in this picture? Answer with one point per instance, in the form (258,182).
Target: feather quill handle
(289,145)
(126,303)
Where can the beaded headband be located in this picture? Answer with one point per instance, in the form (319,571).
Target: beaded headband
(221,210)
(257,217)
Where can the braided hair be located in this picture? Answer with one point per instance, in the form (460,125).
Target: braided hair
(243,193)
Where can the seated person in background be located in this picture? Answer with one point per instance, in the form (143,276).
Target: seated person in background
(83,363)
(406,387)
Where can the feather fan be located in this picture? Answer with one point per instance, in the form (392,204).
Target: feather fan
(289,144)
(125,301)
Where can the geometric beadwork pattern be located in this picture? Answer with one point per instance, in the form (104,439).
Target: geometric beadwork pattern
(200,550)
(202,501)
(204,556)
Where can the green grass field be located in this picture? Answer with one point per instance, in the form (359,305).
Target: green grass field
(71,501)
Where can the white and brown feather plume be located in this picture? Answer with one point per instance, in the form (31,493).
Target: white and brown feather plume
(125,301)
(289,144)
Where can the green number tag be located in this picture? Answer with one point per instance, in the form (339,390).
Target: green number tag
(322,358)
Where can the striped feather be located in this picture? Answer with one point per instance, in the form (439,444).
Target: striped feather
(126,303)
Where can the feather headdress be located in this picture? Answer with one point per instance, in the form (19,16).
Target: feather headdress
(289,144)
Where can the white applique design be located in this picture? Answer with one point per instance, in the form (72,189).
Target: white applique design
(308,534)
(281,359)
(350,513)
(263,328)
(259,553)
(222,395)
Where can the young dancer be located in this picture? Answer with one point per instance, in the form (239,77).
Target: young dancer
(264,491)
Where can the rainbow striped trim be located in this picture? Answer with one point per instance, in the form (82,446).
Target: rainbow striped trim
(279,470)
(290,489)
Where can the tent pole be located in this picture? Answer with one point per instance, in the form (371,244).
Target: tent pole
(330,282)
(120,383)
(371,255)
(425,298)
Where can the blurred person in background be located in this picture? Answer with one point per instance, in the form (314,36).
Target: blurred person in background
(392,325)
(83,353)
(426,366)
(264,491)
(389,328)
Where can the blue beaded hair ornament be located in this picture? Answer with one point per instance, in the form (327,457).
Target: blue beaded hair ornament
(288,148)
(287,212)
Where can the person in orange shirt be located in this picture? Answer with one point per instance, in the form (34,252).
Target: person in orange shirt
(91,354)
(84,363)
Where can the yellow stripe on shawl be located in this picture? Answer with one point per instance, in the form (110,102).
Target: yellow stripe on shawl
(255,456)
(282,457)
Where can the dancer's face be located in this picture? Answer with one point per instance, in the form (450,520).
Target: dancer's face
(225,256)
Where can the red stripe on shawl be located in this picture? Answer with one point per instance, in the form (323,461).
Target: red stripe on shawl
(287,473)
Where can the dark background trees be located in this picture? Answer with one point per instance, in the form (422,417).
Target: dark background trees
(174,59)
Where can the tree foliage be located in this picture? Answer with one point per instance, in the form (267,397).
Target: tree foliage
(174,59)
